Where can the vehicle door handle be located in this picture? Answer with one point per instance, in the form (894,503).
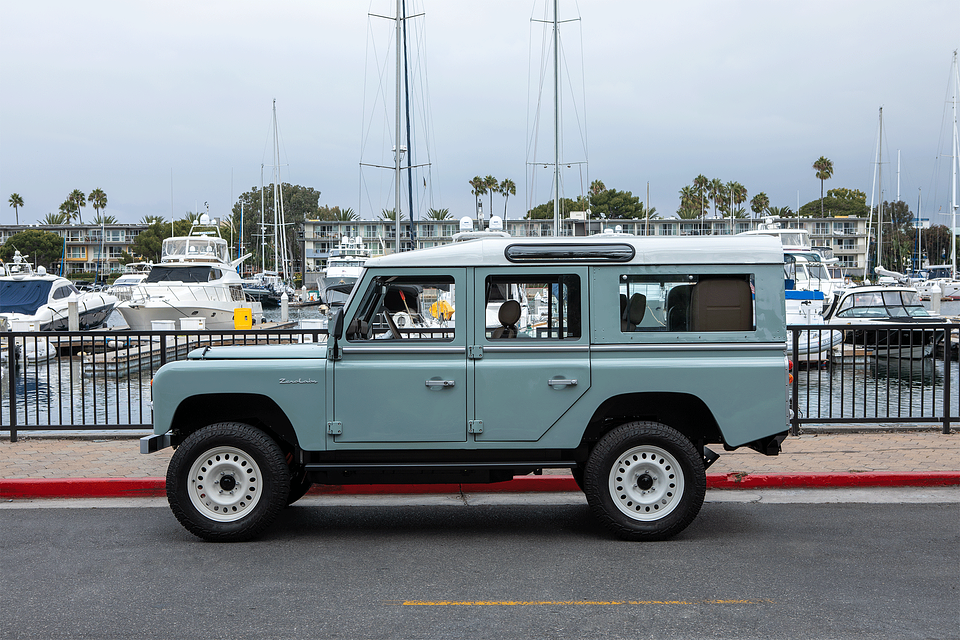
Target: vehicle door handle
(558,382)
(439,383)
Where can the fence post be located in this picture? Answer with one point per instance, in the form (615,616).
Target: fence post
(947,385)
(12,382)
(795,387)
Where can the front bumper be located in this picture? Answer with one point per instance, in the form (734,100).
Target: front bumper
(154,443)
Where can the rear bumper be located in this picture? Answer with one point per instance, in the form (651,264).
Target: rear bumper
(154,443)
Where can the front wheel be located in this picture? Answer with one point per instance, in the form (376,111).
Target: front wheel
(645,481)
(226,482)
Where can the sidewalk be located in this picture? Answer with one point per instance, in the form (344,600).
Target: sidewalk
(75,467)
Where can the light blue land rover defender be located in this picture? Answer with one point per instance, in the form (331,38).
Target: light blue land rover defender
(617,357)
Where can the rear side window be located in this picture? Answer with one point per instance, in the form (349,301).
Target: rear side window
(681,303)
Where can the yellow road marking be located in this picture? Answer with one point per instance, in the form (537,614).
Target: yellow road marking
(541,603)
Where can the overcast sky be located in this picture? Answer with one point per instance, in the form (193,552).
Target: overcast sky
(167,105)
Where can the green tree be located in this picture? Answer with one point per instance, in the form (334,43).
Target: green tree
(759,203)
(336,214)
(151,219)
(16,202)
(299,204)
(107,219)
(838,202)
(507,188)
(98,200)
(391,214)
(737,195)
(597,187)
(545,211)
(77,198)
(439,214)
(43,248)
(824,169)
(613,204)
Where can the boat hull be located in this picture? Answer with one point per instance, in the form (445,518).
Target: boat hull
(216,317)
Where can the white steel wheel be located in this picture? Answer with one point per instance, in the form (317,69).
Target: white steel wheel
(645,483)
(225,484)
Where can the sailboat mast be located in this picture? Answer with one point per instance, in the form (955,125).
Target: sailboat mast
(556,119)
(276,192)
(879,192)
(956,160)
(396,147)
(406,102)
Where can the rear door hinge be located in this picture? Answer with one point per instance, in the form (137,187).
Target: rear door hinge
(474,426)
(475,352)
(335,428)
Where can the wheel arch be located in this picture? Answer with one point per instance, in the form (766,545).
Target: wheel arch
(684,412)
(256,410)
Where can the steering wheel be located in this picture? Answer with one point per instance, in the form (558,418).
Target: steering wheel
(393,325)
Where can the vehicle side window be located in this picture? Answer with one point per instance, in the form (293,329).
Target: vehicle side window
(535,307)
(61,292)
(405,308)
(686,303)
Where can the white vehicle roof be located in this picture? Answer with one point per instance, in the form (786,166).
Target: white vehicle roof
(652,250)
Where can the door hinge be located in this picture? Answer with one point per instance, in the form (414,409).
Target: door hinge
(335,428)
(474,426)
(475,352)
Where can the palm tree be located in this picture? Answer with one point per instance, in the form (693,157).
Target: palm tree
(345,215)
(780,212)
(391,214)
(78,198)
(715,191)
(597,187)
(68,209)
(98,199)
(700,185)
(824,169)
(479,188)
(759,203)
(688,203)
(507,188)
(737,193)
(151,219)
(493,186)
(106,219)
(439,214)
(56,218)
(16,202)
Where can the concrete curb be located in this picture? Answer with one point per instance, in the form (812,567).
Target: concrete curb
(28,488)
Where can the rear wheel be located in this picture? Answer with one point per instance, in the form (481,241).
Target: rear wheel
(226,482)
(645,481)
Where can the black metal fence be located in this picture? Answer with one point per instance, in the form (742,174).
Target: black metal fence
(98,381)
(887,374)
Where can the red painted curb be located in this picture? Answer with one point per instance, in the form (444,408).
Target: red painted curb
(155,487)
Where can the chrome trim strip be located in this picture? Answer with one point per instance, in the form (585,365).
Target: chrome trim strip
(753,346)
(406,350)
(538,348)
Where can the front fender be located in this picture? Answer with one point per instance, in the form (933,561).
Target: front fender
(190,392)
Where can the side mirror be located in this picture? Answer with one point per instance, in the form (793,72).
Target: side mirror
(337,324)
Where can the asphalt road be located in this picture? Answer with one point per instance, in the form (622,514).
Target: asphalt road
(388,570)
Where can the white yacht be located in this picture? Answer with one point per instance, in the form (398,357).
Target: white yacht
(133,274)
(343,268)
(37,301)
(195,279)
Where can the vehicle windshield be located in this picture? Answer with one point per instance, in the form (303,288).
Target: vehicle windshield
(181,274)
(25,296)
(882,304)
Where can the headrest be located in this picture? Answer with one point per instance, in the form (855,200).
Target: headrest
(509,313)
(636,308)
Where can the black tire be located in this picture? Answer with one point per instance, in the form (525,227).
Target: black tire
(299,484)
(227,482)
(577,473)
(645,481)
